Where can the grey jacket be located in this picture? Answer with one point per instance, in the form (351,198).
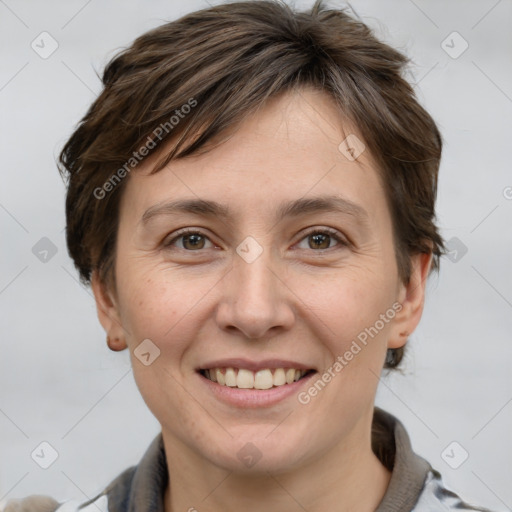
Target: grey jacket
(414,486)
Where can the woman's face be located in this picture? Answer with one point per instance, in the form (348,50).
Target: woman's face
(253,283)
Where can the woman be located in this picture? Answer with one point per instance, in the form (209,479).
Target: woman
(252,200)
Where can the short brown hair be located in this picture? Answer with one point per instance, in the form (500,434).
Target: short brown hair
(224,62)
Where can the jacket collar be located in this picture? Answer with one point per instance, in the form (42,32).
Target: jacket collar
(409,470)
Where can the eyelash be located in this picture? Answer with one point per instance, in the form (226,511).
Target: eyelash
(331,232)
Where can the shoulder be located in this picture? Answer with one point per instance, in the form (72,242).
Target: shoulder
(435,496)
(117,490)
(34,503)
(39,503)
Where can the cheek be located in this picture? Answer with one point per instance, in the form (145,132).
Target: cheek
(153,310)
(346,311)
(345,301)
(160,304)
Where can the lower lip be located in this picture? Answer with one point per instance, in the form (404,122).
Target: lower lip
(254,398)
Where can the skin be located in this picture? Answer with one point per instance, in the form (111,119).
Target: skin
(300,299)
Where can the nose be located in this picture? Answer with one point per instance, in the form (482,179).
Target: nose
(256,300)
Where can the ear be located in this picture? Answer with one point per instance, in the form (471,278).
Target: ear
(412,299)
(108,313)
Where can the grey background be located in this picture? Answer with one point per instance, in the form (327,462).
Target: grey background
(59,382)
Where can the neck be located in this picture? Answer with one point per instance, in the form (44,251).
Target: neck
(348,477)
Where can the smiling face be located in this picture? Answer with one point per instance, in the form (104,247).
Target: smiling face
(254,282)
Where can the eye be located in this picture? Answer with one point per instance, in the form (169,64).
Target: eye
(194,240)
(322,237)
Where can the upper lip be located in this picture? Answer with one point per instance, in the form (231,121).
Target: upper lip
(240,362)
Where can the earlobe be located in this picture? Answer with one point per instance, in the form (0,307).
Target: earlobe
(108,314)
(411,299)
(116,344)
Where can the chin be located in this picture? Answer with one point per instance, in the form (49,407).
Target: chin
(253,455)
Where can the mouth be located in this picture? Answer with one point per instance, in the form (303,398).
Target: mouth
(263,379)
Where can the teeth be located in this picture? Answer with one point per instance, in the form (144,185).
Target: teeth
(220,376)
(247,379)
(279,377)
(263,379)
(230,377)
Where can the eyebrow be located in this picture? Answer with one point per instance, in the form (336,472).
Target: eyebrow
(303,206)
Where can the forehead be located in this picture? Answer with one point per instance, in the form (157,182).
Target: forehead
(295,147)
